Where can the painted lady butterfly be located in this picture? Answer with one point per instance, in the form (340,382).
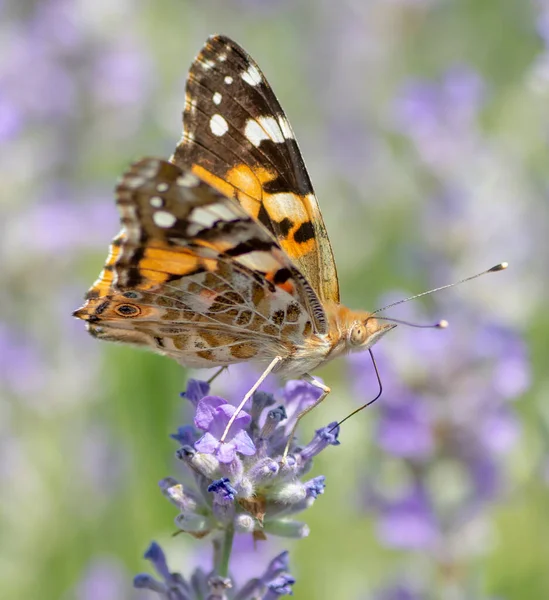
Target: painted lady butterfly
(223,255)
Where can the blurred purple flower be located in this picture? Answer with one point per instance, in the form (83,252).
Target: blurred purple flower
(10,120)
(104,579)
(438,116)
(399,591)
(122,73)
(58,24)
(23,370)
(408,522)
(57,222)
(49,92)
(263,6)
(405,427)
(446,413)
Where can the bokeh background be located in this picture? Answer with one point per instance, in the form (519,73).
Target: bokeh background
(425,127)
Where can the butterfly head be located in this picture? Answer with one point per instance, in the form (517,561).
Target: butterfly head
(365,332)
(360,330)
(354,330)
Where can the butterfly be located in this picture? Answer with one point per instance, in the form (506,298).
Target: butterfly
(223,255)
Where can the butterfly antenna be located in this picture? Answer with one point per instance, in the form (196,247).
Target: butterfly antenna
(369,402)
(442,324)
(499,267)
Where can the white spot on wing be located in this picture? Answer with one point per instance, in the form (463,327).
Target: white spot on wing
(149,169)
(156,201)
(193,229)
(286,203)
(258,260)
(263,128)
(217,98)
(222,57)
(252,76)
(164,219)
(285,128)
(187,180)
(204,217)
(162,187)
(207,64)
(224,212)
(218,125)
(254,133)
(132,182)
(228,80)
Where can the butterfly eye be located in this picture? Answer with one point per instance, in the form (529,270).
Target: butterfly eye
(358,334)
(127,310)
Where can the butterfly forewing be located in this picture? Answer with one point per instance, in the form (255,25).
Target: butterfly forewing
(237,138)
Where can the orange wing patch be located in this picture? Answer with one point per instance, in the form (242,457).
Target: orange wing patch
(290,211)
(103,283)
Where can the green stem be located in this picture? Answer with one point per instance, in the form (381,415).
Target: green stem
(225,553)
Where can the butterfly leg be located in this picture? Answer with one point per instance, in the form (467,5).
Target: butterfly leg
(249,394)
(325,391)
(216,375)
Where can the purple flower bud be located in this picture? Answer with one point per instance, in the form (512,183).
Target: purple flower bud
(223,489)
(155,554)
(244,524)
(327,436)
(203,464)
(280,586)
(185,500)
(185,435)
(274,417)
(280,563)
(315,486)
(148,582)
(196,390)
(174,587)
(194,523)
(287,528)
(260,401)
(263,470)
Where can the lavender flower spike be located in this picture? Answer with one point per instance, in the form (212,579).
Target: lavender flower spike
(244,485)
(274,583)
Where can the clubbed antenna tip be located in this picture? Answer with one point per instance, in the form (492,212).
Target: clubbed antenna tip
(501,267)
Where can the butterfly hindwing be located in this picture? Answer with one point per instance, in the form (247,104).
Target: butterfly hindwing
(237,138)
(194,276)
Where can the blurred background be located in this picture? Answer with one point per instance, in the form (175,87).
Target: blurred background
(425,128)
